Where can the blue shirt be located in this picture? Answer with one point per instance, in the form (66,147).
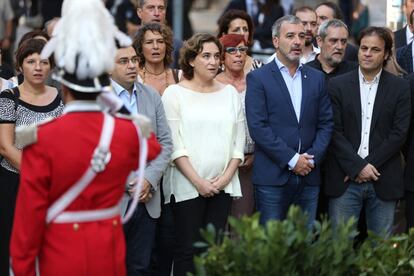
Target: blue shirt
(294,86)
(129,99)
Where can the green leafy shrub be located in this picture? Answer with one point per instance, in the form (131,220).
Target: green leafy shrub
(288,248)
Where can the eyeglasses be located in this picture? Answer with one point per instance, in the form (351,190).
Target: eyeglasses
(233,50)
(125,61)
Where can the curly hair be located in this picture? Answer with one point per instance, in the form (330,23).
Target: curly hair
(228,17)
(166,34)
(192,48)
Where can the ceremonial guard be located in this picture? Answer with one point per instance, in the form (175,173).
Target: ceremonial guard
(74,168)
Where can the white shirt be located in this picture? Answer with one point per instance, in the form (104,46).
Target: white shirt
(311,56)
(208,128)
(294,86)
(368,92)
(130,100)
(409,35)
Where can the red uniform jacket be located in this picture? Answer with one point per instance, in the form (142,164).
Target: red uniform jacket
(49,167)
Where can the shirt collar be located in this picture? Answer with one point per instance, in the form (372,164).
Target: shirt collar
(374,81)
(119,89)
(82,106)
(408,34)
(280,65)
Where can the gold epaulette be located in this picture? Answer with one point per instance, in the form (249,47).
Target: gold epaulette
(143,122)
(27,135)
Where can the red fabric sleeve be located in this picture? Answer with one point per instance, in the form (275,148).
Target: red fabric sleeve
(31,208)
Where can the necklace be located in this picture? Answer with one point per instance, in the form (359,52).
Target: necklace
(166,78)
(155,74)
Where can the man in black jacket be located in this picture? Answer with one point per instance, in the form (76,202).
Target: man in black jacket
(404,36)
(372,116)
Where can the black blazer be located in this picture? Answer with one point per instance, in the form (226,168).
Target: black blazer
(409,149)
(389,127)
(405,57)
(400,37)
(351,52)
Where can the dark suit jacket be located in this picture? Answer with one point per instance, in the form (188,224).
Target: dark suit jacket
(389,126)
(400,38)
(236,5)
(405,57)
(409,149)
(275,129)
(351,52)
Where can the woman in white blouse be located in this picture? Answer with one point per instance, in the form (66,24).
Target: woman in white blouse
(207,127)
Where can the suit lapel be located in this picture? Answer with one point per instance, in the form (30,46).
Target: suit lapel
(283,88)
(355,95)
(379,98)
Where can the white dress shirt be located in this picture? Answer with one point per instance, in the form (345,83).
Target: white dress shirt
(129,99)
(311,56)
(368,92)
(294,86)
(409,35)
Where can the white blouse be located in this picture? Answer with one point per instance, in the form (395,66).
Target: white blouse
(208,128)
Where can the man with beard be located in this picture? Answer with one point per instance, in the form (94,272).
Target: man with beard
(327,11)
(288,154)
(332,41)
(309,21)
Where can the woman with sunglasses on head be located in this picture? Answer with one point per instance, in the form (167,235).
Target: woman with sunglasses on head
(239,22)
(29,103)
(234,59)
(207,128)
(154,46)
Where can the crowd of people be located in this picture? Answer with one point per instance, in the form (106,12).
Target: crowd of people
(323,124)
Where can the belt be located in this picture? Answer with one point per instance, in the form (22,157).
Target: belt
(87,216)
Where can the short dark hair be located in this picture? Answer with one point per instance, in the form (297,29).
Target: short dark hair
(141,3)
(166,34)
(29,47)
(337,14)
(303,9)
(225,20)
(192,48)
(382,33)
(33,34)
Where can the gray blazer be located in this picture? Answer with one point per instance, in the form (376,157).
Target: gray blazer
(149,104)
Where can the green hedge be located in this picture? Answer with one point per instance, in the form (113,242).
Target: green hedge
(288,248)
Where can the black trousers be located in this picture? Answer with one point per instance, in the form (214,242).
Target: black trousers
(189,217)
(140,237)
(409,208)
(9,183)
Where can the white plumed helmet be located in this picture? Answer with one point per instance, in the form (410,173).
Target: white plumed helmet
(84,45)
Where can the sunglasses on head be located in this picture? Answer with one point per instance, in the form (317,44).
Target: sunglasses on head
(233,50)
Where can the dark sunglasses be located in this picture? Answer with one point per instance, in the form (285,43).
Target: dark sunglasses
(233,50)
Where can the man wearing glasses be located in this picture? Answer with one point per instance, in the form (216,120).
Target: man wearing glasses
(140,98)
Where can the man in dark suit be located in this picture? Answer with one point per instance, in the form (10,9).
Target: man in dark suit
(290,118)
(405,53)
(371,115)
(409,172)
(404,36)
